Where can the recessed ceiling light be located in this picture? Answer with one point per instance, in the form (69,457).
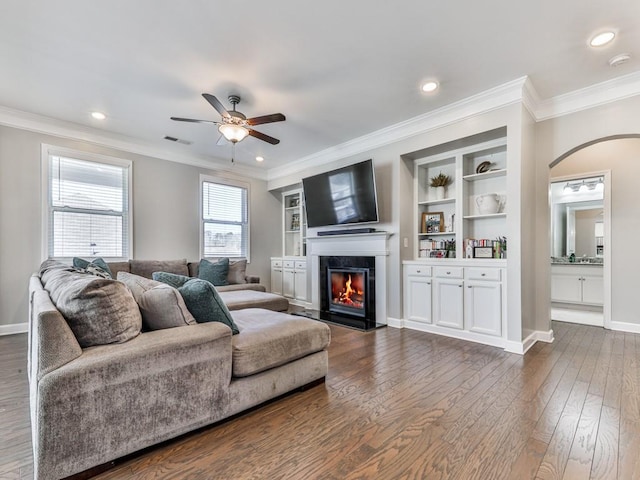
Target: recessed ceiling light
(602,39)
(259,159)
(619,59)
(98,115)
(429,86)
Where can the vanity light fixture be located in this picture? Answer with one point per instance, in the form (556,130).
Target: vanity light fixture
(582,186)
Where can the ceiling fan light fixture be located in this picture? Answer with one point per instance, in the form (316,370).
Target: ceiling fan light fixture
(233,133)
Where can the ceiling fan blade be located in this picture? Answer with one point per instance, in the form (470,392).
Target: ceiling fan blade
(274,117)
(263,137)
(192,120)
(215,103)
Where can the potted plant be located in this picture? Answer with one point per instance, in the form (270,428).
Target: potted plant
(439,182)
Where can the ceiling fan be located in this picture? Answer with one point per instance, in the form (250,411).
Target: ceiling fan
(234,125)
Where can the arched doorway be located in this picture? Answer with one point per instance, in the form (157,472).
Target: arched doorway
(618,158)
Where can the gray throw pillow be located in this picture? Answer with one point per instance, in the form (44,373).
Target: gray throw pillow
(99,311)
(215,273)
(90,266)
(237,272)
(201,297)
(161,305)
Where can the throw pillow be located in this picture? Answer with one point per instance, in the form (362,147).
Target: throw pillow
(215,273)
(94,266)
(201,297)
(161,305)
(237,272)
(99,311)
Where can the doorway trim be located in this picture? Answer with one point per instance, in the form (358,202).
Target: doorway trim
(606,272)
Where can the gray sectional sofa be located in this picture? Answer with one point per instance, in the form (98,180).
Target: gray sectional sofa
(95,404)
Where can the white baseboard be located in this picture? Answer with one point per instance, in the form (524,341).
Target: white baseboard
(522,347)
(625,327)
(395,322)
(14,328)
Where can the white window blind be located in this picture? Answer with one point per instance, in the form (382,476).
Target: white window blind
(88,209)
(225,220)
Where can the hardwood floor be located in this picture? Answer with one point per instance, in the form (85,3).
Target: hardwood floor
(399,404)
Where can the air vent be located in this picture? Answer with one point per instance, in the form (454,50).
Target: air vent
(177,140)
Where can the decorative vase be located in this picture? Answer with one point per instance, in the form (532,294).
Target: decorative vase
(439,193)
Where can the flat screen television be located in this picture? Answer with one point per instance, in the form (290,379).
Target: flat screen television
(341,197)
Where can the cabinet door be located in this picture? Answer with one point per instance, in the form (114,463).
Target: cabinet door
(418,298)
(276,280)
(448,303)
(593,289)
(300,284)
(483,307)
(566,288)
(288,282)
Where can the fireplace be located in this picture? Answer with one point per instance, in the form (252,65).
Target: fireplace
(347,290)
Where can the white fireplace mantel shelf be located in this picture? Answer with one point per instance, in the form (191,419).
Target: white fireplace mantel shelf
(373,244)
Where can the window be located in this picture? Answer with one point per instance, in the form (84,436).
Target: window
(87,205)
(225,218)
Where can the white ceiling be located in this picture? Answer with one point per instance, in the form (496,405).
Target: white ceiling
(336,69)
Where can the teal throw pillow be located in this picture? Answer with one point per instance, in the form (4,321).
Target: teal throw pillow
(201,299)
(216,273)
(89,265)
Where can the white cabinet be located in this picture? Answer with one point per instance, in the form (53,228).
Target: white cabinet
(276,276)
(448,302)
(417,298)
(483,301)
(289,278)
(294,224)
(576,283)
(458,298)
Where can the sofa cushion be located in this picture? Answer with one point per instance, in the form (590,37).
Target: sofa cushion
(242,286)
(95,263)
(99,311)
(161,305)
(237,272)
(201,298)
(214,272)
(145,268)
(268,339)
(239,299)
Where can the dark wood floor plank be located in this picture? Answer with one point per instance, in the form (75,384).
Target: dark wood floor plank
(400,404)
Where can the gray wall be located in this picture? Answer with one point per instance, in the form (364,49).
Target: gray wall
(165,213)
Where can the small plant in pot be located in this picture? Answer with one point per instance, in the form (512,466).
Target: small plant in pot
(439,182)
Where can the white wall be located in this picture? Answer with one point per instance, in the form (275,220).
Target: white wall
(165,214)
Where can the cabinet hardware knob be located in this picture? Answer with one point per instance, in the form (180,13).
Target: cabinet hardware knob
(469,286)
(419,271)
(483,274)
(428,283)
(448,273)
(461,286)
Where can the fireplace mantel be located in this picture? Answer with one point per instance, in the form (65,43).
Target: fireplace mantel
(360,244)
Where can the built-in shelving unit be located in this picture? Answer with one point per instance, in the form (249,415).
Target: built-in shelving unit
(474,203)
(294,224)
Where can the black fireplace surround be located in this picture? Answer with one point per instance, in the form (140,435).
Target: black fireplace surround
(361,317)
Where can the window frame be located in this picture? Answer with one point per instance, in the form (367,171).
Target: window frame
(231,183)
(53,150)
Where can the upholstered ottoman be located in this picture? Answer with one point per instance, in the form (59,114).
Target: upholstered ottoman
(243,299)
(269,339)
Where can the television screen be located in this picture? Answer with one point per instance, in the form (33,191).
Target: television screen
(343,196)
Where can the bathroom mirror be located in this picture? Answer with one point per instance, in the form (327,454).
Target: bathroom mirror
(577,218)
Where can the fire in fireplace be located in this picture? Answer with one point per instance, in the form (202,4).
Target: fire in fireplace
(347,290)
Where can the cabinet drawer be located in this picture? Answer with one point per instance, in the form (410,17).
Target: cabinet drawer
(422,270)
(448,272)
(301,265)
(478,273)
(288,263)
(276,263)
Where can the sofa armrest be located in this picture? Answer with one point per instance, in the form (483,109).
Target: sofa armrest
(252,279)
(160,384)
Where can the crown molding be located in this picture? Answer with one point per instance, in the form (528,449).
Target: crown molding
(595,95)
(492,99)
(73,131)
